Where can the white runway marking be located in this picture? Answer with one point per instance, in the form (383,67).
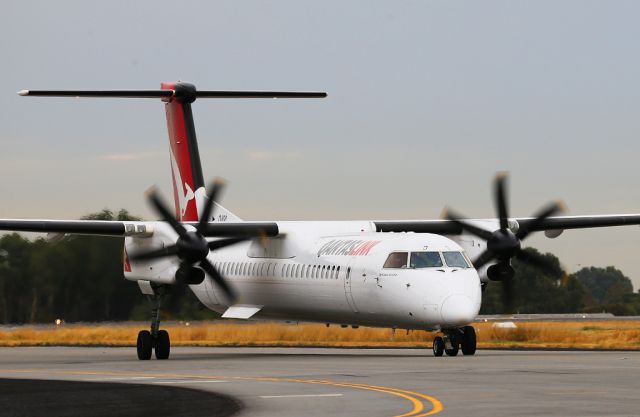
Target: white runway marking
(300,395)
(208,381)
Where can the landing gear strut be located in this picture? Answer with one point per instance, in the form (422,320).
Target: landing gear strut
(454,340)
(155,339)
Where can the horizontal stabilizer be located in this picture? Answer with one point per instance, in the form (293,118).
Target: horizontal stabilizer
(241,311)
(172,93)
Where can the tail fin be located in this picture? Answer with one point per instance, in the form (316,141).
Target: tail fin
(186,168)
(188,181)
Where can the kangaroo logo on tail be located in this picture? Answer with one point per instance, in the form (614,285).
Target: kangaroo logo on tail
(184,191)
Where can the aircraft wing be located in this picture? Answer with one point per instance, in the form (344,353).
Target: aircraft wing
(270,229)
(133,228)
(557,223)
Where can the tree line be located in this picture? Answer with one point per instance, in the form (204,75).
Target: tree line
(589,290)
(79,278)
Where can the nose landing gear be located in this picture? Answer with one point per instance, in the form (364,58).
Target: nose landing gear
(155,339)
(454,340)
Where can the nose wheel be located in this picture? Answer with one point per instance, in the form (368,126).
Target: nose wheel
(155,339)
(455,340)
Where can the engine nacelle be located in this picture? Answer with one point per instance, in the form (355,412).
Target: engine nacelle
(500,272)
(189,275)
(161,271)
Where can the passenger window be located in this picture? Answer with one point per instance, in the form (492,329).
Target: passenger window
(396,260)
(297,271)
(324,272)
(425,260)
(338,272)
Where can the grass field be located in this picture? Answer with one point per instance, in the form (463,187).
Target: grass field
(582,335)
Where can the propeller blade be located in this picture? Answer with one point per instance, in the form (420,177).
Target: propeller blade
(540,217)
(484,258)
(216,187)
(223,243)
(215,275)
(474,230)
(155,254)
(165,213)
(536,260)
(500,196)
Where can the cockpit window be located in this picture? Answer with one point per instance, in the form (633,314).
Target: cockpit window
(396,260)
(455,259)
(425,260)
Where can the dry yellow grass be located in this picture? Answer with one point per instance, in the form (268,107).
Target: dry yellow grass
(583,335)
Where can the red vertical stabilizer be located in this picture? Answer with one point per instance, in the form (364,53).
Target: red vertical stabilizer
(185,159)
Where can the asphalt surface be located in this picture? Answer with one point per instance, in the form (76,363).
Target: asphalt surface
(344,382)
(55,398)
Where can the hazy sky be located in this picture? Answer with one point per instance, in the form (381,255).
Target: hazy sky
(427,100)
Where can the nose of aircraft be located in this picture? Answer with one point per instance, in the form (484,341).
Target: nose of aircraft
(458,310)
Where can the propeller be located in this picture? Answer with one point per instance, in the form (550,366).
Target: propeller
(504,244)
(192,248)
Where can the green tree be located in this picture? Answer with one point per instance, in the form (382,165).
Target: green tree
(606,285)
(14,281)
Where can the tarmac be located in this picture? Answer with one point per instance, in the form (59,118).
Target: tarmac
(286,382)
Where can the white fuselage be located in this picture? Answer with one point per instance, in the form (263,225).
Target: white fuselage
(331,272)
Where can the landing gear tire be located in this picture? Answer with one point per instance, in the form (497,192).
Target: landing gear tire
(468,341)
(438,346)
(455,345)
(144,345)
(163,345)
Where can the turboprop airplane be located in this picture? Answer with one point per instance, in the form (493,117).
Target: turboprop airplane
(418,274)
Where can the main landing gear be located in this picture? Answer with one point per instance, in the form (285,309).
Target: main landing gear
(454,340)
(155,339)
